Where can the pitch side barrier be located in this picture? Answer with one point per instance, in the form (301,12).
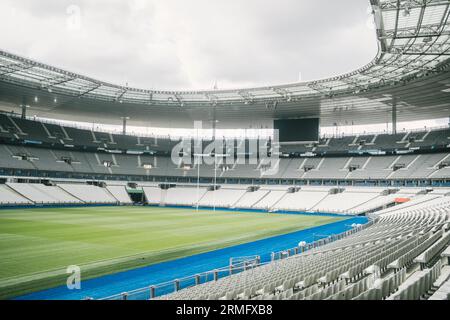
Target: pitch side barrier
(165,288)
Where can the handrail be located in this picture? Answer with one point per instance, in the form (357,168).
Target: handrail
(176,283)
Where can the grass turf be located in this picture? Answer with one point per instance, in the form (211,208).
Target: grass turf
(37,245)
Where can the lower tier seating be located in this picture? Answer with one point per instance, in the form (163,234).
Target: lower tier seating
(89,193)
(377,262)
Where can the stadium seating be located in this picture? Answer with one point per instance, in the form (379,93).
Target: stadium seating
(418,284)
(340,200)
(423,166)
(89,194)
(225,197)
(12,127)
(120,193)
(41,194)
(153,194)
(396,256)
(9,196)
(442,285)
(303,200)
(357,266)
(384,199)
(185,195)
(345,201)
(250,198)
(270,199)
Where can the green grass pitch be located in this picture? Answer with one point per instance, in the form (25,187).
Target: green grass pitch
(37,245)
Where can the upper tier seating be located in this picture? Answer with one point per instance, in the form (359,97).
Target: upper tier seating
(12,127)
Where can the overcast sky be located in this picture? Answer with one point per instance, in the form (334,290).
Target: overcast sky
(190,44)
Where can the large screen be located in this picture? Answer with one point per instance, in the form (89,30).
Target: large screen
(298,130)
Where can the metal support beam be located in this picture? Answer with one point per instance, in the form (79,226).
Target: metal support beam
(179,99)
(121,94)
(395,5)
(89,90)
(394,115)
(319,87)
(14,68)
(247,96)
(124,125)
(24,107)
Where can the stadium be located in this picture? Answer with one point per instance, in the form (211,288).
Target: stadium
(252,199)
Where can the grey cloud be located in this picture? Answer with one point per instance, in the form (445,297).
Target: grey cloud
(176,44)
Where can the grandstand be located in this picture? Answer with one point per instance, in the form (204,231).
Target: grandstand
(397,181)
(372,264)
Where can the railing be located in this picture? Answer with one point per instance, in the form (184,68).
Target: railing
(168,287)
(165,288)
(325,239)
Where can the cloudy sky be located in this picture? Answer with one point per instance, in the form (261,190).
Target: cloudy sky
(179,44)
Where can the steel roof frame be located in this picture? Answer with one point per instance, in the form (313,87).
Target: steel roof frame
(404,53)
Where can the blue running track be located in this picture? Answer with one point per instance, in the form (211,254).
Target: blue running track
(167,271)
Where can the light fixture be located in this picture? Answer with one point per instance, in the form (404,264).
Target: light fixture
(147,166)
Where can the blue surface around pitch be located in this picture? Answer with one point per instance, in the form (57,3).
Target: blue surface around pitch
(184,267)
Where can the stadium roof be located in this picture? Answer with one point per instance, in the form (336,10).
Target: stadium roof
(410,69)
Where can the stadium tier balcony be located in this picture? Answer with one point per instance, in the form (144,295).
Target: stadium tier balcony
(16,129)
(37,161)
(36,148)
